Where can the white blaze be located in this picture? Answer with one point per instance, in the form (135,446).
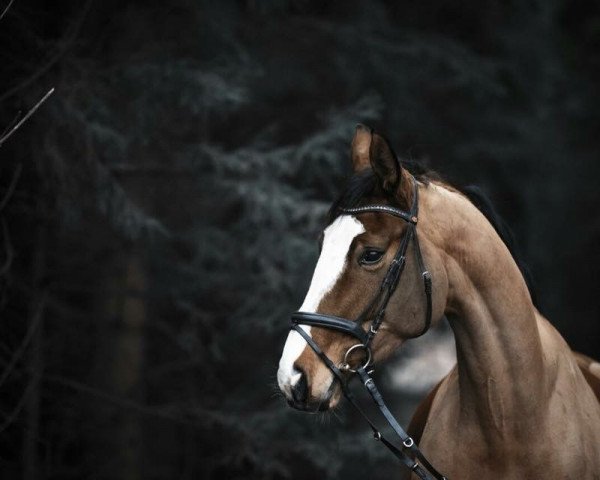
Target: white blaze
(336,242)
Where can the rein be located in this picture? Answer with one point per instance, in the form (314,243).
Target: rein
(409,454)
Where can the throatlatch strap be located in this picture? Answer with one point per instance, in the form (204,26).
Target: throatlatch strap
(426,284)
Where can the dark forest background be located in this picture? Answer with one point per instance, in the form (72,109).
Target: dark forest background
(159,213)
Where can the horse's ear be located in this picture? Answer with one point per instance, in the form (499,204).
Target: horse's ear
(386,166)
(360,148)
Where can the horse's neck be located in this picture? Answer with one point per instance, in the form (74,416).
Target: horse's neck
(499,351)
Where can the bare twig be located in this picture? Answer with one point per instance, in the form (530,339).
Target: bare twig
(12,124)
(11,186)
(6,9)
(66,43)
(24,119)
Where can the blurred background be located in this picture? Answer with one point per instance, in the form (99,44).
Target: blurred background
(159,213)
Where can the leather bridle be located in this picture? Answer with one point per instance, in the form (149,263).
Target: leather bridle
(409,453)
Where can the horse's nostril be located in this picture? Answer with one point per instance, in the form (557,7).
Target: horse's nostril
(300,389)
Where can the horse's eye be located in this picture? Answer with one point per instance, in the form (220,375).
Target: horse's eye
(370,256)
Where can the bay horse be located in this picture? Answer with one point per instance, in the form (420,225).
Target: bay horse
(519,404)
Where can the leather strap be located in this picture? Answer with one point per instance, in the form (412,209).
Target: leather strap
(329,321)
(408,217)
(408,462)
(407,442)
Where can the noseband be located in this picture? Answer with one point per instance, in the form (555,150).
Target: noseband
(409,450)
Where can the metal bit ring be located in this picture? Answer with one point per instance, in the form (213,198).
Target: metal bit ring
(346,366)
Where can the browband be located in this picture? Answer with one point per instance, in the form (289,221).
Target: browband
(396,212)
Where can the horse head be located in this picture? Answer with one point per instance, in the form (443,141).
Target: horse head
(357,252)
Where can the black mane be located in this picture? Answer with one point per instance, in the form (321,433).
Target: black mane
(363,184)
